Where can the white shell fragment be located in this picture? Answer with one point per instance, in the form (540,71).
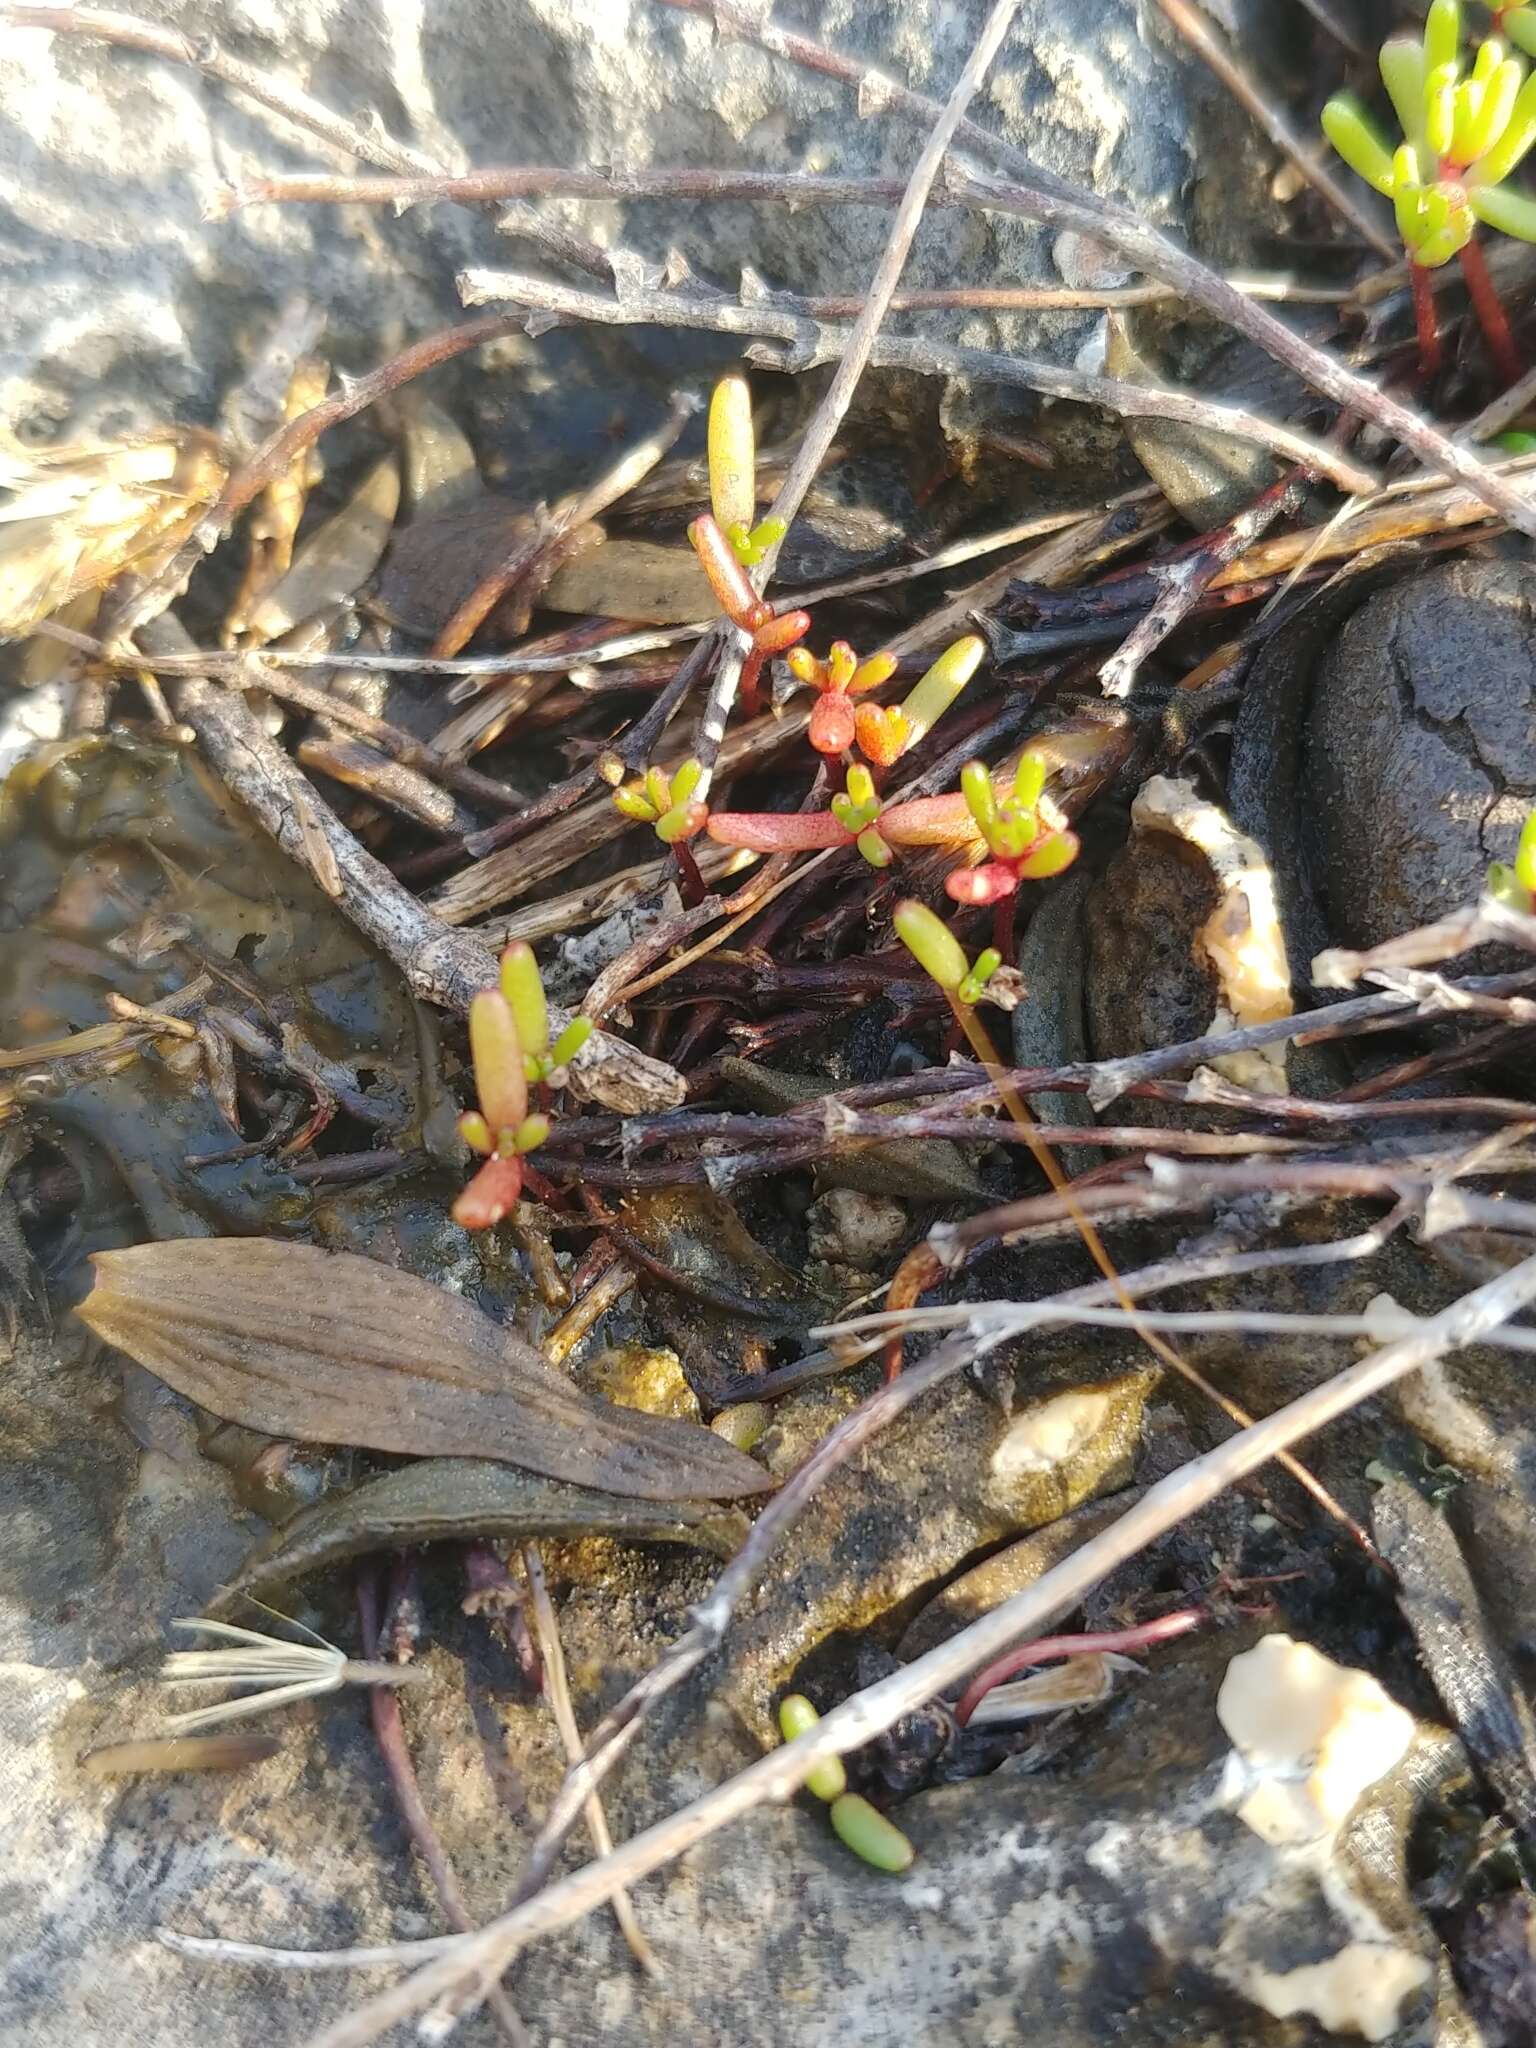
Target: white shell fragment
(1358,1991)
(1047,1436)
(1308,1736)
(1242,939)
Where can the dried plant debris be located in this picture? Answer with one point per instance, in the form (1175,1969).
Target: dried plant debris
(448,1500)
(331,1348)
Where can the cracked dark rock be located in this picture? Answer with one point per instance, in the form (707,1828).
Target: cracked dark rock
(1419,761)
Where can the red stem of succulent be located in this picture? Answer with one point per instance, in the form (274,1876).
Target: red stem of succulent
(1426,320)
(690,882)
(749,692)
(1491,316)
(1048,1649)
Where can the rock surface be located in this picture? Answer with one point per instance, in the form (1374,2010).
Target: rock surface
(125,300)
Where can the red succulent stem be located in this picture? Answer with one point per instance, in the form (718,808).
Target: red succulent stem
(690,881)
(1049,1648)
(1426,320)
(1491,317)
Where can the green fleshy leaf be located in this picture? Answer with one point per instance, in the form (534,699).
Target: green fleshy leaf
(1518,135)
(1402,73)
(1442,34)
(1358,140)
(1512,213)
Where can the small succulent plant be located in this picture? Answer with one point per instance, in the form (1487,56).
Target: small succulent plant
(942,957)
(510,1049)
(1464,133)
(665,801)
(1023,833)
(883,732)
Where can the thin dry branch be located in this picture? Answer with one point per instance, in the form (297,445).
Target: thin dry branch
(810,343)
(557,1690)
(479,1958)
(818,436)
(1278,126)
(440,965)
(1037,194)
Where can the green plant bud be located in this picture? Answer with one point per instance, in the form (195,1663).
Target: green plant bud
(980,798)
(732,454)
(932,696)
(1519,24)
(1515,441)
(498,1061)
(1052,857)
(797,1717)
(1358,141)
(1525,855)
(1498,106)
(634,803)
(476,1132)
(523,987)
(570,1041)
(1442,34)
(874,848)
(870,1835)
(932,944)
(1440,109)
(531,1133)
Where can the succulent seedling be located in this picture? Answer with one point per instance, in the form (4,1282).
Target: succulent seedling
(1462,137)
(838,680)
(942,957)
(1022,833)
(1514,883)
(885,735)
(509,1048)
(667,803)
(771,632)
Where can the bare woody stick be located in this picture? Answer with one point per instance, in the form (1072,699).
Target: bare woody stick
(480,1957)
(441,965)
(1037,194)
(818,436)
(810,343)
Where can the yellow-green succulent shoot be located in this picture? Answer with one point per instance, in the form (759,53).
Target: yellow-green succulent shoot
(1463,134)
(1518,23)
(523,987)
(857,809)
(1514,883)
(733,473)
(940,954)
(866,1831)
(797,1716)
(665,801)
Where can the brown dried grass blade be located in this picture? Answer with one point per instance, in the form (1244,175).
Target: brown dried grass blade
(331,1348)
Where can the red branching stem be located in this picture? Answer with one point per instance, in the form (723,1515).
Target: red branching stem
(749,692)
(1491,317)
(1122,1641)
(1426,320)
